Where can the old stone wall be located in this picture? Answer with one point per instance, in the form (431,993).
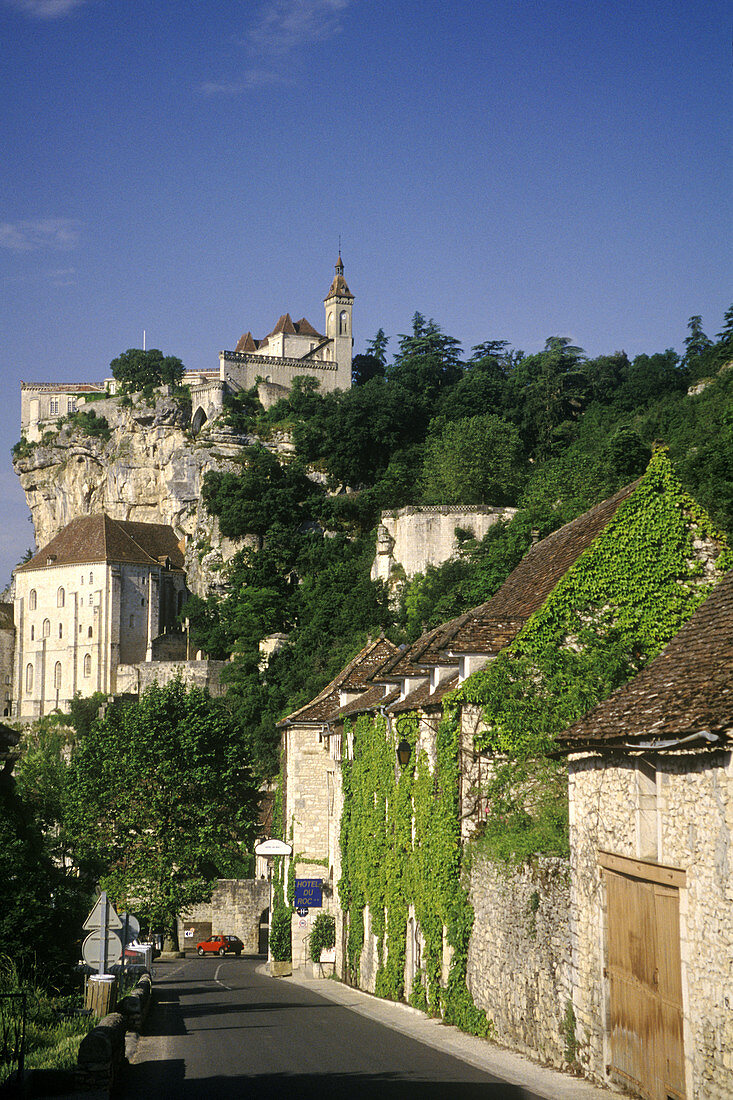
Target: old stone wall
(519,954)
(413,538)
(236,908)
(683,804)
(309,798)
(134,679)
(7,646)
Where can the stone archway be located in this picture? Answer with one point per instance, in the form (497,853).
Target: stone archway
(198,420)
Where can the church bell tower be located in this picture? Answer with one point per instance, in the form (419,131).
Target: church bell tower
(339,303)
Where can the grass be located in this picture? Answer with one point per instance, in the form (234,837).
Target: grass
(55,1025)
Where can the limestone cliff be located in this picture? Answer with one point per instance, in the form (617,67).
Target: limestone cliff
(151,469)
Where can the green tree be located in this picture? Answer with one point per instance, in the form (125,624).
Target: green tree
(697,342)
(161,801)
(473,461)
(137,370)
(550,391)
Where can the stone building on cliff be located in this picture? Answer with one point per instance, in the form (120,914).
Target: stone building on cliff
(96,598)
(294,349)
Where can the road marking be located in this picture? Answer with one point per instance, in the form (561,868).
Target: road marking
(216,978)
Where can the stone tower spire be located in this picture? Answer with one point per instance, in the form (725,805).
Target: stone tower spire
(338,304)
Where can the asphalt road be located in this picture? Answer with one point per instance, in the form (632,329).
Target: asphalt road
(220,1029)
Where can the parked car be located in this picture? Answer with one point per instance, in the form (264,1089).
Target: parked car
(220,945)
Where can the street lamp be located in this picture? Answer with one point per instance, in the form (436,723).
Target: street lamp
(404,752)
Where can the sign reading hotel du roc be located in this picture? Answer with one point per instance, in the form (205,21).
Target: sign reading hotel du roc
(308,891)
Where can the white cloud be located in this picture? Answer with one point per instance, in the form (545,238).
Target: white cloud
(47,9)
(285,25)
(30,236)
(253,78)
(281,29)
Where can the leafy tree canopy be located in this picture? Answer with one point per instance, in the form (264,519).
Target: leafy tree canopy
(137,370)
(161,800)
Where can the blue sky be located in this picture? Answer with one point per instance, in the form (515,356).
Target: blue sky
(514,169)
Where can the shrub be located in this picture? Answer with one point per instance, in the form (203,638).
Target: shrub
(323,935)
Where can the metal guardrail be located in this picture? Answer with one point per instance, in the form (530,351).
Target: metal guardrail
(13,1015)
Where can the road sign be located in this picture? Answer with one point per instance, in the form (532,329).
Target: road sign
(273,847)
(130,925)
(94,920)
(302,910)
(91,948)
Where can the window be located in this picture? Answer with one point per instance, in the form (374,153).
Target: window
(33,633)
(57,675)
(91,578)
(132,620)
(89,632)
(29,677)
(46,627)
(61,630)
(82,578)
(71,404)
(60,598)
(87,665)
(53,406)
(32,599)
(343,323)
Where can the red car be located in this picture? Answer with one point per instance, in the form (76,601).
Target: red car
(219,945)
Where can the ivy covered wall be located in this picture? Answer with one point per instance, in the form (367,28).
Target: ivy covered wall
(402,855)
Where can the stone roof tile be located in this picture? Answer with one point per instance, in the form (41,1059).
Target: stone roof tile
(326,706)
(88,539)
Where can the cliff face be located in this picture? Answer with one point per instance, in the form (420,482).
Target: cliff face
(151,470)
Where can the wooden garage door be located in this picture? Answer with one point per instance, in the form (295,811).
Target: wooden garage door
(645,985)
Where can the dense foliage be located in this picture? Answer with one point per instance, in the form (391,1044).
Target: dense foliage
(552,433)
(607,617)
(400,845)
(136,369)
(161,801)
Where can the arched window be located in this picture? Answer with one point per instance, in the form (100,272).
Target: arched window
(330,324)
(46,627)
(29,677)
(91,578)
(87,665)
(89,632)
(57,675)
(32,599)
(343,323)
(60,598)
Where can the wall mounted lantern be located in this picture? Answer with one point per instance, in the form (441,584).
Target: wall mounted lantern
(404,752)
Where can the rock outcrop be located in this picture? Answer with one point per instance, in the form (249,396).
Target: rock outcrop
(150,469)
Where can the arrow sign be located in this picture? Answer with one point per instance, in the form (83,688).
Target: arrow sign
(273,847)
(94,920)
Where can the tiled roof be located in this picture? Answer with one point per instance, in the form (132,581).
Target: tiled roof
(493,625)
(372,699)
(326,706)
(99,538)
(338,287)
(285,325)
(422,698)
(63,387)
(687,689)
(304,328)
(246,343)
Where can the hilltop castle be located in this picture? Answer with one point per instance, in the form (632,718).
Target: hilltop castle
(293,349)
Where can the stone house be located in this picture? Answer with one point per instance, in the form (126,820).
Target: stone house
(312,746)
(94,598)
(651,820)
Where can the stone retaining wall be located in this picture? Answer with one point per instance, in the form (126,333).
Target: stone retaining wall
(519,954)
(235,909)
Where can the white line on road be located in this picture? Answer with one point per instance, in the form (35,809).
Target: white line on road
(216,978)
